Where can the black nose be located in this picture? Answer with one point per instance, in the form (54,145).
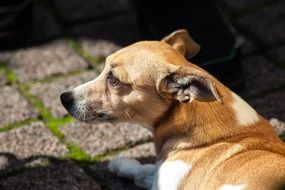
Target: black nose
(67,99)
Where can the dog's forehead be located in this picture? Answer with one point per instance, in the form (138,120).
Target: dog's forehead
(145,53)
(136,61)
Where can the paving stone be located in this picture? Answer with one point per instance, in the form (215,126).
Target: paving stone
(271,105)
(49,93)
(98,47)
(3,79)
(121,30)
(21,146)
(39,62)
(101,138)
(260,75)
(14,107)
(233,5)
(266,24)
(278,55)
(65,176)
(142,151)
(72,11)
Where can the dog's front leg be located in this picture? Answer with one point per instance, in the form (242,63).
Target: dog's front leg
(128,168)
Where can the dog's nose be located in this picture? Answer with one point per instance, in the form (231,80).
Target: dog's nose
(67,99)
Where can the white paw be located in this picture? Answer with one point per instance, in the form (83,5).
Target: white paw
(123,167)
(144,176)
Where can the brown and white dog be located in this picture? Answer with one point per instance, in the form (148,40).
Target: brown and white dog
(206,136)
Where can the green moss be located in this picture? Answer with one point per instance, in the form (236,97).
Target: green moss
(78,48)
(18,124)
(62,121)
(109,154)
(10,76)
(81,51)
(35,102)
(76,153)
(74,45)
(53,126)
(97,60)
(52,123)
(52,78)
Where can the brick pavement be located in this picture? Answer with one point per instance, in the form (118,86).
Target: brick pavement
(41,147)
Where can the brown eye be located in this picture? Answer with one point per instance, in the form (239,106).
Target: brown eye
(112,80)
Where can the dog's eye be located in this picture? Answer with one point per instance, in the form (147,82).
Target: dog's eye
(112,80)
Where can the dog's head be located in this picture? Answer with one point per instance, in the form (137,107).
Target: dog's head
(141,81)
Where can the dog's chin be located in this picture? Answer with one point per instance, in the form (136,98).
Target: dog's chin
(92,118)
(97,120)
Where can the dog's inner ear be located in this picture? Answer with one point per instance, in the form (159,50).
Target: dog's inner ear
(189,87)
(183,42)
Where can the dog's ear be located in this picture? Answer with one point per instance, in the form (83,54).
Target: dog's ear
(188,84)
(183,42)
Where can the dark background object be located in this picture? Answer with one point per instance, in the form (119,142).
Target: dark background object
(16,22)
(218,54)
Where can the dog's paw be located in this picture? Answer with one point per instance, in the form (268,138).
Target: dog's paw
(123,167)
(144,177)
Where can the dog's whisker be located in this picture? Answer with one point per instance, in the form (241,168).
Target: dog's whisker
(128,115)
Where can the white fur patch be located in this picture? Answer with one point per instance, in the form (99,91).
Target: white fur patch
(245,114)
(233,187)
(169,175)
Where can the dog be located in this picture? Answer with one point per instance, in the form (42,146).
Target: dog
(206,136)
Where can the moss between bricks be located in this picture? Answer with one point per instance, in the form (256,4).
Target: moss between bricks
(75,152)
(18,124)
(51,78)
(10,76)
(81,51)
(109,154)
(53,124)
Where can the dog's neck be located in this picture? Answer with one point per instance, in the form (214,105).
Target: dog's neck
(187,126)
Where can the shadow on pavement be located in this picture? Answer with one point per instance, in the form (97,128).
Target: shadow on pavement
(47,172)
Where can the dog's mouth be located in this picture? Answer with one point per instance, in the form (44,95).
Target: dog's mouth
(87,116)
(100,117)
